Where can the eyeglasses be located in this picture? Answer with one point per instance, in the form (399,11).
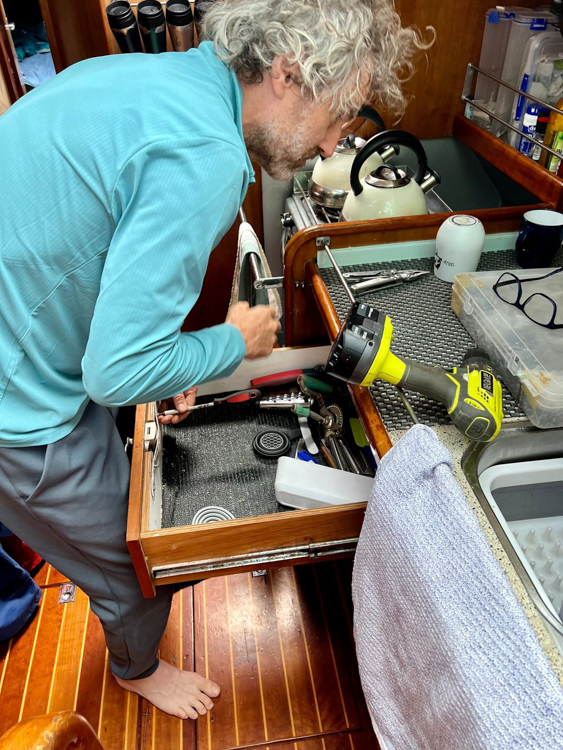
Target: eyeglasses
(538,307)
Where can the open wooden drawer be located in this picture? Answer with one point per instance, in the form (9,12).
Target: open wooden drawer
(192,552)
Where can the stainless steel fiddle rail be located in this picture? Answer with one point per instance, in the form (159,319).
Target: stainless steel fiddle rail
(465,97)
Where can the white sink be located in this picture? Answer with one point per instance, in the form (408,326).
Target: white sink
(518,480)
(527,499)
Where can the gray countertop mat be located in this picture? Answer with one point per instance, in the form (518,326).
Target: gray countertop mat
(425,330)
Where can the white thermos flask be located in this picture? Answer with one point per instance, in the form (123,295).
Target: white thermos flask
(459,244)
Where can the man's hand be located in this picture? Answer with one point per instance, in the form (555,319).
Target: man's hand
(258,326)
(180,403)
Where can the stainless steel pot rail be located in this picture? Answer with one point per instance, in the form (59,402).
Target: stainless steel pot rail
(465,97)
(259,281)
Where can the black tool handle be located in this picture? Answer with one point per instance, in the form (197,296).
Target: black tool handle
(377,143)
(432,382)
(250,394)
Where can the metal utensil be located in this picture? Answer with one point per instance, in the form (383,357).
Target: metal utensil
(383,281)
(239,397)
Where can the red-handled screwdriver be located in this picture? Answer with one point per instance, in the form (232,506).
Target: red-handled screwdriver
(251,394)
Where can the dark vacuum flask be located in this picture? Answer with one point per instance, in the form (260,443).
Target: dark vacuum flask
(123,24)
(200,9)
(180,19)
(153,25)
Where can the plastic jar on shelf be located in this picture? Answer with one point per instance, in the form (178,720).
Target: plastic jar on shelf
(493,51)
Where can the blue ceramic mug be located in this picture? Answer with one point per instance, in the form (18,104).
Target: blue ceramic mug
(539,239)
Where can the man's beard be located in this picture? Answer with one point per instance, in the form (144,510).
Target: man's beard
(280,153)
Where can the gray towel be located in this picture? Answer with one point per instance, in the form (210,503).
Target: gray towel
(447,658)
(241,290)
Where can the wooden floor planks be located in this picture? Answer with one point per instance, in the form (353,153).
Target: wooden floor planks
(279,645)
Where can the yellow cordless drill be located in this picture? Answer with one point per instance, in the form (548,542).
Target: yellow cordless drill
(471,393)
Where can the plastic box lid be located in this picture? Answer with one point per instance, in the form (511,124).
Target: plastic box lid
(527,356)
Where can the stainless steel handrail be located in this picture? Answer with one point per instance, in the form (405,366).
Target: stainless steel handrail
(508,86)
(467,86)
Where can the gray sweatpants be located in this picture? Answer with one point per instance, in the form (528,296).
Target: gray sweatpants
(68,501)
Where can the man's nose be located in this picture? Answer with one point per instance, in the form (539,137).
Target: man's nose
(328,144)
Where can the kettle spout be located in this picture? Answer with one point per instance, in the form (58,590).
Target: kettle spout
(431,179)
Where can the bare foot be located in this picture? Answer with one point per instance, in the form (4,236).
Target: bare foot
(182,694)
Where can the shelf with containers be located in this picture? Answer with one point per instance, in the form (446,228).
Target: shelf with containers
(519,82)
(516,134)
(164,26)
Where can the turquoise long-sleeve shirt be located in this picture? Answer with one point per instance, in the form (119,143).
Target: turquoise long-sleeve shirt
(117,179)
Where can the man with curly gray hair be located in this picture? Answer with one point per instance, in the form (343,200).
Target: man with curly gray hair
(306,67)
(118,178)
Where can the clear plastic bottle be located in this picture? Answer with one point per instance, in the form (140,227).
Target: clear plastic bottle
(540,135)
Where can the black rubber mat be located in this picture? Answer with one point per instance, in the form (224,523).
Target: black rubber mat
(425,330)
(209,460)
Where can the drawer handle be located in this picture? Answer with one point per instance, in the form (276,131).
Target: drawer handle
(314,550)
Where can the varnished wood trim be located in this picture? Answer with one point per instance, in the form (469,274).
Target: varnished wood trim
(134,515)
(247,535)
(328,311)
(9,67)
(526,172)
(51,35)
(365,407)
(303,323)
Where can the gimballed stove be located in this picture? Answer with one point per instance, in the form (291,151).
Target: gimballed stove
(302,212)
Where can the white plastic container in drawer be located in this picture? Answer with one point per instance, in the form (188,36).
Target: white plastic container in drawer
(527,356)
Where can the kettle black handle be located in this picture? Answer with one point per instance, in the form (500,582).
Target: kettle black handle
(372,114)
(379,142)
(369,113)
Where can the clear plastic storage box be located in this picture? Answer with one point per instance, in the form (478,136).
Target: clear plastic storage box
(523,26)
(527,356)
(538,75)
(493,51)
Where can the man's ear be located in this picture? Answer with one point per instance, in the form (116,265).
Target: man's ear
(283,76)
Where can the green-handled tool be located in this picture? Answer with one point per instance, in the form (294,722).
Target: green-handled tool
(308,383)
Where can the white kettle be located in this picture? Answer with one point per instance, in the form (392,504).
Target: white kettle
(330,181)
(387,191)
